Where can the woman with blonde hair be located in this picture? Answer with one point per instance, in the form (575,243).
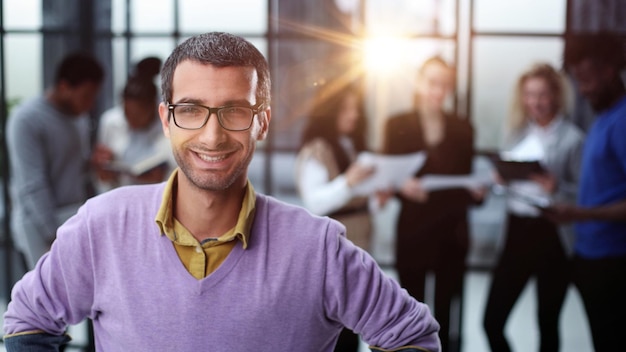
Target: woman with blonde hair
(535,246)
(559,91)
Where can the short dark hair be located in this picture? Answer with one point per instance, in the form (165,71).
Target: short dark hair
(78,68)
(602,48)
(140,84)
(221,50)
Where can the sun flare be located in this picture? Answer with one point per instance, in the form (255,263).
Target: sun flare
(383,54)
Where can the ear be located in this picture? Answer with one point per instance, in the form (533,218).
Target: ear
(264,120)
(164,116)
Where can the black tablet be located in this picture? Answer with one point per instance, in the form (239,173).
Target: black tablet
(517,170)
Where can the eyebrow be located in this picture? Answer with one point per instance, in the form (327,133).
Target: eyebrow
(240,102)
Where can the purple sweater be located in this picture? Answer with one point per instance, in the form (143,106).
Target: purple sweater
(294,288)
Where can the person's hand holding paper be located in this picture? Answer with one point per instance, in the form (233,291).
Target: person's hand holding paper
(358,172)
(389,171)
(414,190)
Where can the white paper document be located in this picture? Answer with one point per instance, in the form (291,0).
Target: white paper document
(390,170)
(160,157)
(529,149)
(441,182)
(540,201)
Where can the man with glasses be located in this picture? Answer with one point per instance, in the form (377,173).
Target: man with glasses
(224,268)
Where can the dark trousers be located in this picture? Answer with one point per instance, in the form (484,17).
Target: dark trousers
(348,341)
(602,286)
(433,241)
(449,274)
(532,248)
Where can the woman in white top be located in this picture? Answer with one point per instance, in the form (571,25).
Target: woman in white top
(131,146)
(534,246)
(326,170)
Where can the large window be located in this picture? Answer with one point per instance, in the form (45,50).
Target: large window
(142,28)
(380,43)
(497,62)
(509,36)
(23,48)
(520,16)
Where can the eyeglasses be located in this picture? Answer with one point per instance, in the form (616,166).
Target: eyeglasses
(232,118)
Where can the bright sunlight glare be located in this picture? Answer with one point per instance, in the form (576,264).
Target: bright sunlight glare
(383,54)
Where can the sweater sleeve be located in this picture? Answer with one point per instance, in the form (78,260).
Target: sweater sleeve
(401,349)
(35,342)
(366,300)
(59,291)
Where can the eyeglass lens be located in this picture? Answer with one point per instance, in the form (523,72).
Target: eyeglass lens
(231,118)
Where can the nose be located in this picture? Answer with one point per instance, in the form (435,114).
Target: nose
(532,101)
(212,133)
(438,91)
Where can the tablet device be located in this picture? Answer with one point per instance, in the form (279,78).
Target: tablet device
(517,170)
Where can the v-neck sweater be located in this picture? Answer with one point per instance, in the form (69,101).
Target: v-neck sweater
(294,288)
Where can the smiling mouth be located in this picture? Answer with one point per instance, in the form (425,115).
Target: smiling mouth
(212,158)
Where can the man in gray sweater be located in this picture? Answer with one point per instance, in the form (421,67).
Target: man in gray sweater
(48,145)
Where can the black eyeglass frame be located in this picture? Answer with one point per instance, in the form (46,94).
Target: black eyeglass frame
(256,109)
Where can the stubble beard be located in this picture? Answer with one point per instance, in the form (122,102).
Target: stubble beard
(210,181)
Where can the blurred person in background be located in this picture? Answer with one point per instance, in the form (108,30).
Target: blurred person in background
(48,147)
(534,245)
(596,62)
(432,228)
(326,168)
(132,133)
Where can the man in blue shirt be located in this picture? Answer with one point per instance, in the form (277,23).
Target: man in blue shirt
(595,62)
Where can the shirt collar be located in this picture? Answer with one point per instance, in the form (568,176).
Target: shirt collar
(549,129)
(166,222)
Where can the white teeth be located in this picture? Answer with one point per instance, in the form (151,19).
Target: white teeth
(211,158)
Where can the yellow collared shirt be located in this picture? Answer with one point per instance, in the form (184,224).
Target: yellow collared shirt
(201,259)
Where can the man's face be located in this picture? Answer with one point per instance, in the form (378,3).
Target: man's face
(212,158)
(593,82)
(78,99)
